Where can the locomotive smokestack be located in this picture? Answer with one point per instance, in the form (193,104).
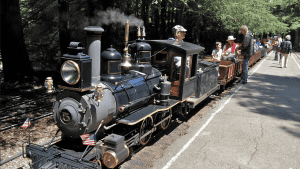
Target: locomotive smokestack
(94,51)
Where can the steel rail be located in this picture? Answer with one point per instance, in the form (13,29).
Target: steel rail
(21,103)
(19,124)
(38,108)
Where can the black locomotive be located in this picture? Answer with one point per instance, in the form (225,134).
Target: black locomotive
(136,94)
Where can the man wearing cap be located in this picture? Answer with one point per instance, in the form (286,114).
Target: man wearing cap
(217,53)
(178,32)
(285,48)
(247,50)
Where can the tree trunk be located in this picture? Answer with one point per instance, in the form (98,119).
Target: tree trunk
(296,39)
(16,64)
(169,26)
(64,28)
(143,10)
(163,13)
(156,29)
(137,8)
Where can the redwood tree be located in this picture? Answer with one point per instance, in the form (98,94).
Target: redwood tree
(16,64)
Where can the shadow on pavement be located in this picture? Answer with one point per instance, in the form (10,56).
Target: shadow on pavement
(275,96)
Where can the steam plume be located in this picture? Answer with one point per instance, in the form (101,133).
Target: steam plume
(116,16)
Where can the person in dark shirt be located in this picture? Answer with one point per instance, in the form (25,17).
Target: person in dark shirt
(247,50)
(285,47)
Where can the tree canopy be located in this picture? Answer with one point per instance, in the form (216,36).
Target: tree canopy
(49,26)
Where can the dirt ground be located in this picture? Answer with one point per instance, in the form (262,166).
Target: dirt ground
(41,131)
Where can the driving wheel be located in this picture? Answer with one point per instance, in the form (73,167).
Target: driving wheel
(146,126)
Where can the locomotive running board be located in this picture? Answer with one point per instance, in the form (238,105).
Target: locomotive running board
(145,112)
(195,101)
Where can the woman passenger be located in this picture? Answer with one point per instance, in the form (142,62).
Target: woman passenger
(229,50)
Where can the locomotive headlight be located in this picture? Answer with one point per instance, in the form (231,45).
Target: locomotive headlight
(70,72)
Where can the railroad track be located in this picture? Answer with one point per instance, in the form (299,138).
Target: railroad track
(14,115)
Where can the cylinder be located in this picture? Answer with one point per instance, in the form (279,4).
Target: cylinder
(94,51)
(111,159)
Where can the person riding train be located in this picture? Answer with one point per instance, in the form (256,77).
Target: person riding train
(178,32)
(217,53)
(229,50)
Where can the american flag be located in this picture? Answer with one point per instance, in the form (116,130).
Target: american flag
(84,137)
(91,141)
(26,124)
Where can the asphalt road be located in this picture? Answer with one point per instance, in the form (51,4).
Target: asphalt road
(257,125)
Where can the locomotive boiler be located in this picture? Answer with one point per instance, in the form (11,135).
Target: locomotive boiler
(118,101)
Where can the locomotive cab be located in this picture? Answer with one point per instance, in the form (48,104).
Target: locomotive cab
(178,60)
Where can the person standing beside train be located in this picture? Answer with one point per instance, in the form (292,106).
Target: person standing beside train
(247,51)
(275,47)
(285,47)
(279,41)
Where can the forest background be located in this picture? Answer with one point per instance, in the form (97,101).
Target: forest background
(35,33)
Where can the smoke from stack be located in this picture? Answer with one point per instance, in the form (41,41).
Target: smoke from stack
(113,16)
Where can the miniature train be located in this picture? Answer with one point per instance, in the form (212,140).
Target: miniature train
(136,94)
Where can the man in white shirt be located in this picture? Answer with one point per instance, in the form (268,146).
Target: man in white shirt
(279,42)
(217,53)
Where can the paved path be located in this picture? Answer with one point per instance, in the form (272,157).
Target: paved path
(257,125)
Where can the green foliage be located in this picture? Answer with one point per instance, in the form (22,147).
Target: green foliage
(207,21)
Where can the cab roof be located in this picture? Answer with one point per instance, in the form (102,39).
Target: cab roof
(181,47)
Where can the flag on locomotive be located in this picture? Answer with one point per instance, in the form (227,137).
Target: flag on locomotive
(26,124)
(84,137)
(91,141)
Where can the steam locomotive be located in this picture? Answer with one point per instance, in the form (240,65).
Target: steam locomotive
(121,99)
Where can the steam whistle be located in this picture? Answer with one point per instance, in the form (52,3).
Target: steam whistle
(139,34)
(126,65)
(144,32)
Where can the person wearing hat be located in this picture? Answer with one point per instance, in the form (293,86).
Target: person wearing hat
(229,50)
(285,47)
(247,49)
(178,32)
(217,53)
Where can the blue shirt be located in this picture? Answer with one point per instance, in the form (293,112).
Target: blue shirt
(258,43)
